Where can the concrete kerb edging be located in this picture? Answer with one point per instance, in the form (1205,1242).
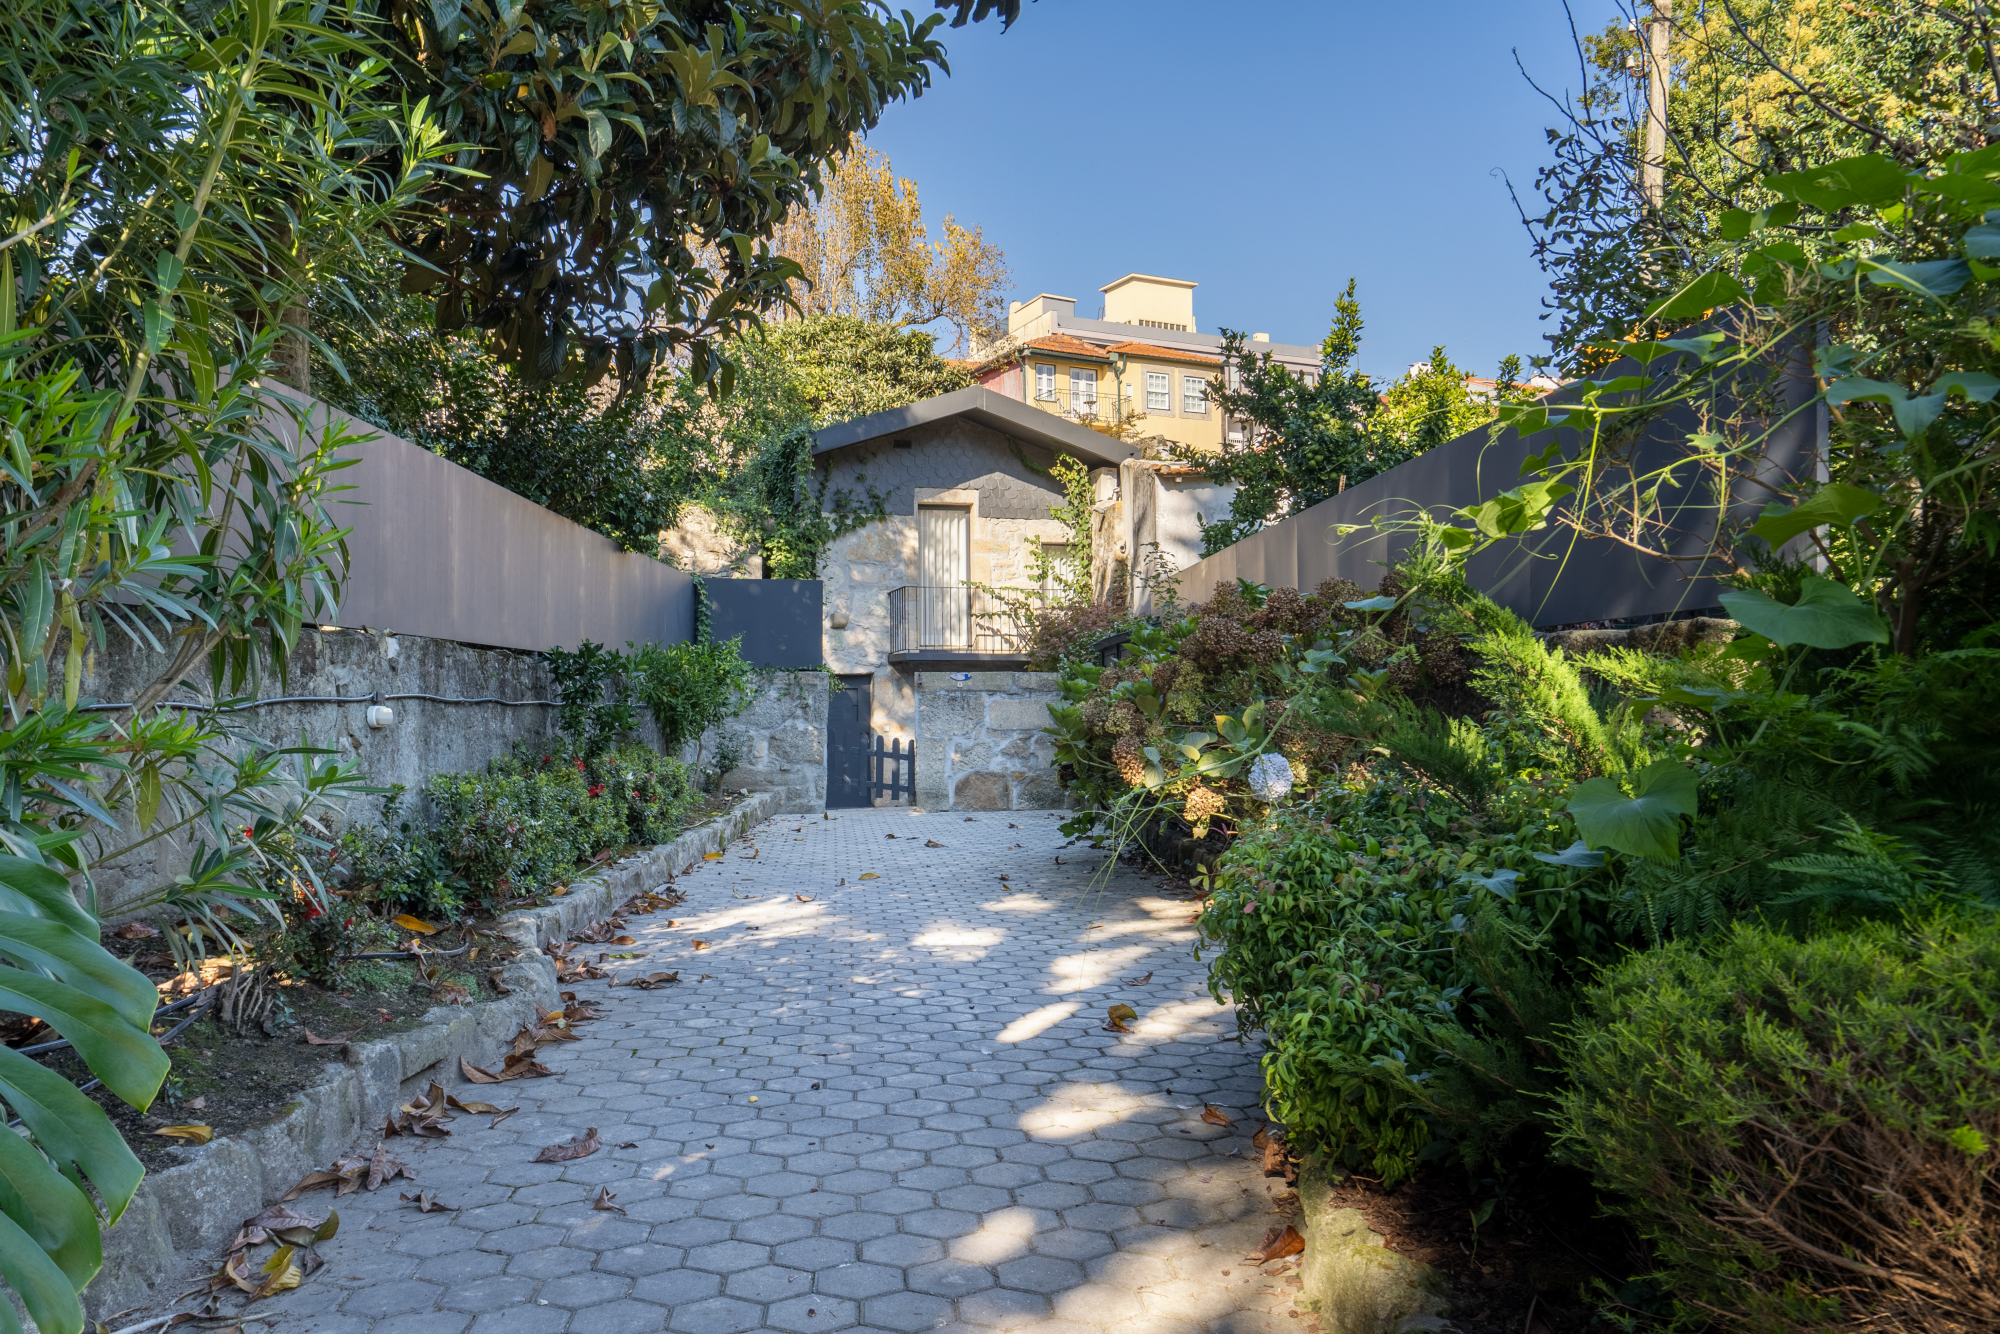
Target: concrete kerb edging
(183,1216)
(1350,1277)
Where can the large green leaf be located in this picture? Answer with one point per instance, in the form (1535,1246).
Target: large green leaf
(40,1283)
(1710,291)
(71,1129)
(1836,503)
(1645,824)
(27,886)
(1868,181)
(122,1054)
(1827,615)
(37,942)
(49,1209)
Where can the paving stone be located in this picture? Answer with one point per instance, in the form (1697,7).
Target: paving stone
(903,1170)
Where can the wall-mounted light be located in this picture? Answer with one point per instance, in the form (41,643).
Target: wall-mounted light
(380,715)
(838,620)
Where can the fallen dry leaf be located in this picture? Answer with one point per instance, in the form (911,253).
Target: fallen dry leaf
(382,1168)
(623,940)
(312,1040)
(475,1074)
(932,843)
(891,835)
(629,1144)
(604,1201)
(194,1134)
(426,1205)
(136,931)
(582,1146)
(416,924)
(1276,1158)
(476,1108)
(493,980)
(1278,1243)
(803,898)
(651,981)
(1117,1017)
(1215,1116)
(559,891)
(313,1181)
(1138,981)
(711,856)
(198,1103)
(283,1274)
(524,1067)
(701,944)
(1013,826)
(867,875)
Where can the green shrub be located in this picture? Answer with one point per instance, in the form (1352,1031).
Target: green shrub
(691,687)
(519,828)
(1804,1129)
(1344,925)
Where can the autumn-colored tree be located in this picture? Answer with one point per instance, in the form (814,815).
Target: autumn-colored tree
(866,252)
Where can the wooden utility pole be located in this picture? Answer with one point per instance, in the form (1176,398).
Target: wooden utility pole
(1659,45)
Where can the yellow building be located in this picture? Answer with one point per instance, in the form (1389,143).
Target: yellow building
(1143,363)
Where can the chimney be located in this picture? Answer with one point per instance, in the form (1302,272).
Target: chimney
(1260,338)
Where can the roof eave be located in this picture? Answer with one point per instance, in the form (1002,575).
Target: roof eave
(1009,416)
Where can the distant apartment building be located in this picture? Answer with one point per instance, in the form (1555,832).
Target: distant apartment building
(1143,359)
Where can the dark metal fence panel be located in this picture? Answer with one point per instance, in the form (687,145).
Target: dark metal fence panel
(1551,577)
(438,550)
(779,619)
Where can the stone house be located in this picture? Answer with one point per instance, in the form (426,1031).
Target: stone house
(919,630)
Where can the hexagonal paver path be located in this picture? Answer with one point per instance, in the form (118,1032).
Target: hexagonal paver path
(882,1098)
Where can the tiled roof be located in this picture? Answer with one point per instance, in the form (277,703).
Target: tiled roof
(1162,353)
(1062,345)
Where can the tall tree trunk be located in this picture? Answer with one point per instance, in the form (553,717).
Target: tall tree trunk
(294,352)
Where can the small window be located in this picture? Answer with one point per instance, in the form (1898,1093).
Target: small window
(1082,388)
(1045,382)
(1194,395)
(1159,392)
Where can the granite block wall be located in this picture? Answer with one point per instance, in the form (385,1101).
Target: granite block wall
(981,744)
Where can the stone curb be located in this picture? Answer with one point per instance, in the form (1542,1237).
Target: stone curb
(183,1216)
(1350,1277)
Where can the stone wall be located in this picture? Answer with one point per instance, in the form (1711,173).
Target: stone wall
(426,737)
(980,744)
(783,735)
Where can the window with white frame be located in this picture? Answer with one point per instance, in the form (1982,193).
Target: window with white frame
(1194,395)
(1082,389)
(1159,392)
(1045,382)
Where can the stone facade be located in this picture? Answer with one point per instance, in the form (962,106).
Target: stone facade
(783,735)
(953,462)
(981,744)
(698,544)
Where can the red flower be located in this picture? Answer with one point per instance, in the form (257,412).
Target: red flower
(579,764)
(596,789)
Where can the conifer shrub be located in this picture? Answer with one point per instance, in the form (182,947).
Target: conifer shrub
(1804,1130)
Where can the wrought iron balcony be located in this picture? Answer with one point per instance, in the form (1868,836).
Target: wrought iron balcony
(963,622)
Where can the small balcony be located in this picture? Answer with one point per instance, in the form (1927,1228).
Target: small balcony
(1086,406)
(945,628)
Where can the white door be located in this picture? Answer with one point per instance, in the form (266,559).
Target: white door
(944,556)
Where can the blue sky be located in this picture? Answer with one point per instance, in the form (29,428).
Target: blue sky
(1268,157)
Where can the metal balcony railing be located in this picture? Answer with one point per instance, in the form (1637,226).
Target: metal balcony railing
(970,620)
(1086,406)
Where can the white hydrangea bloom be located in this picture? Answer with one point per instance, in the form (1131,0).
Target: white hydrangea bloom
(1270,777)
